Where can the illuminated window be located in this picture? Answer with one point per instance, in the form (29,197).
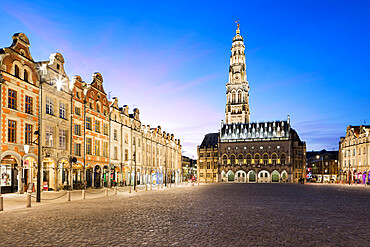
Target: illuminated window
(105,149)
(97,147)
(97,126)
(88,145)
(77,149)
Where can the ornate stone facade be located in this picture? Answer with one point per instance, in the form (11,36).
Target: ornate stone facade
(85,139)
(354,154)
(237,93)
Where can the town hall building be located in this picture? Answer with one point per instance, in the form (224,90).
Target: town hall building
(244,151)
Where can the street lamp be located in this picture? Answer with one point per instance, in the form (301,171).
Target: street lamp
(322,167)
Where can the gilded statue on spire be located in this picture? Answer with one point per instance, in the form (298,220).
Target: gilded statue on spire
(238,24)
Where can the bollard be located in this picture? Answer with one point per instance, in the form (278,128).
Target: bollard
(115,191)
(68,196)
(157,186)
(136,188)
(146,187)
(1,203)
(28,200)
(151,186)
(83,194)
(129,189)
(106,191)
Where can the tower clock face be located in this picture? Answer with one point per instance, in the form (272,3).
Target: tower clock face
(236,77)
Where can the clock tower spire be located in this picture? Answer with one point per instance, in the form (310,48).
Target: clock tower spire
(237,88)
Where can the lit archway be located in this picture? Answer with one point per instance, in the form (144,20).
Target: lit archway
(275,177)
(240,176)
(252,177)
(230,176)
(264,177)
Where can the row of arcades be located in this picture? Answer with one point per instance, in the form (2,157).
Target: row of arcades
(57,174)
(252,176)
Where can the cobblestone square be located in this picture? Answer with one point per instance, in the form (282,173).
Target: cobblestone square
(205,215)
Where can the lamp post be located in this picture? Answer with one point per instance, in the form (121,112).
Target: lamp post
(322,167)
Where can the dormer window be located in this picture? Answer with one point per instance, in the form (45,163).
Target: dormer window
(25,75)
(16,71)
(58,67)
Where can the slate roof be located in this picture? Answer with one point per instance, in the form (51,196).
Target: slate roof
(210,140)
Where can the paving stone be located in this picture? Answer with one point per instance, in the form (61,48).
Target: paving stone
(206,215)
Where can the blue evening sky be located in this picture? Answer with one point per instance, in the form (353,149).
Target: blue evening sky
(306,59)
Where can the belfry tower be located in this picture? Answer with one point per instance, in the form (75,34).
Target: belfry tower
(237,93)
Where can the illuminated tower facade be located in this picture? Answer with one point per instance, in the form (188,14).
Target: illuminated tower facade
(237,88)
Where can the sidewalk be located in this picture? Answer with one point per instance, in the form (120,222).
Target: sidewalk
(14,201)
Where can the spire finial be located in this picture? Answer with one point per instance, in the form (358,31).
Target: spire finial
(238,24)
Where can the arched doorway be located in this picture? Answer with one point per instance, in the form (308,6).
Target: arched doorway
(223,176)
(230,176)
(275,177)
(252,177)
(49,176)
(78,175)
(29,171)
(63,173)
(138,176)
(97,176)
(8,174)
(264,177)
(240,177)
(154,177)
(284,177)
(105,175)
(89,175)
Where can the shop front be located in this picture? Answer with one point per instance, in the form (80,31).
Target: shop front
(89,176)
(97,176)
(78,175)
(9,174)
(63,174)
(114,174)
(29,172)
(106,172)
